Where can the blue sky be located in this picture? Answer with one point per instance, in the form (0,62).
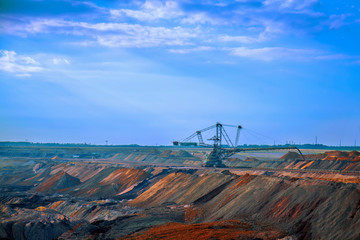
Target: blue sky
(150,72)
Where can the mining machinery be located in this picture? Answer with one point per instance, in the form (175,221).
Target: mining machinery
(221,152)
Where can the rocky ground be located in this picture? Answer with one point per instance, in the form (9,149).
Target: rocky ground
(169,196)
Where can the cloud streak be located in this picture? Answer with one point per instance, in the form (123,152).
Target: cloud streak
(151,10)
(185,27)
(20,65)
(273,53)
(60,61)
(112,34)
(289,4)
(191,50)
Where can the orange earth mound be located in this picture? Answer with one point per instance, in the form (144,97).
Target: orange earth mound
(61,180)
(335,156)
(223,230)
(291,156)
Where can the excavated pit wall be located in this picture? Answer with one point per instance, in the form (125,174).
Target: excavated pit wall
(309,205)
(310,209)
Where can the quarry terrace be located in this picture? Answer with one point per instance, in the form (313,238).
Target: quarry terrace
(166,193)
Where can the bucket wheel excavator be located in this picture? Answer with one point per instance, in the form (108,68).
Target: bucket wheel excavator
(223,147)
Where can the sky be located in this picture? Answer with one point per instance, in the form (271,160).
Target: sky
(150,72)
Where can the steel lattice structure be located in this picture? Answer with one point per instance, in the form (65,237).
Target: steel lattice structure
(219,152)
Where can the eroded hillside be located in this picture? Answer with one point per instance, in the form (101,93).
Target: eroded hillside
(44,198)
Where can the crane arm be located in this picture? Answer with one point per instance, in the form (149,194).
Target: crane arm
(198,133)
(229,125)
(208,128)
(237,135)
(189,137)
(226,137)
(230,152)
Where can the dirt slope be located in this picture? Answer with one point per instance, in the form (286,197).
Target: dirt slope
(224,230)
(181,188)
(335,155)
(291,156)
(85,200)
(110,182)
(58,182)
(304,207)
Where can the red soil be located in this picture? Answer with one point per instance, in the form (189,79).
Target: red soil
(223,230)
(165,154)
(343,180)
(243,180)
(335,156)
(62,177)
(291,156)
(193,213)
(125,176)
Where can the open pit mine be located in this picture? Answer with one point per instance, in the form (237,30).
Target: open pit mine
(66,192)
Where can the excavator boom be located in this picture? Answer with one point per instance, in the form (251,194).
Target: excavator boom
(219,152)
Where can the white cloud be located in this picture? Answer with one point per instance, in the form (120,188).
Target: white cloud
(23,75)
(248,25)
(58,61)
(201,18)
(244,25)
(273,53)
(290,4)
(337,21)
(86,3)
(190,50)
(151,10)
(142,36)
(20,65)
(270,29)
(240,39)
(43,26)
(116,34)
(332,57)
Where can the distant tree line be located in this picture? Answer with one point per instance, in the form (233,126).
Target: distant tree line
(301,146)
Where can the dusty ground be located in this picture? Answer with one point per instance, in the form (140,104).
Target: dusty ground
(166,194)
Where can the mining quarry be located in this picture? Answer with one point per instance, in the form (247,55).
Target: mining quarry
(179,120)
(167,193)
